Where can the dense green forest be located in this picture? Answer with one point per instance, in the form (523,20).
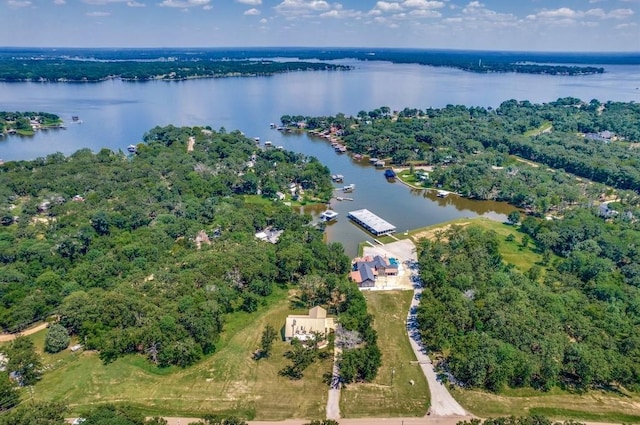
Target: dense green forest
(477,151)
(577,325)
(148,253)
(71,70)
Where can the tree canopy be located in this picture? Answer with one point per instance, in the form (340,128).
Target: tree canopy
(148,253)
(495,326)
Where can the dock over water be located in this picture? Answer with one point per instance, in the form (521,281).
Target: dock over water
(371,222)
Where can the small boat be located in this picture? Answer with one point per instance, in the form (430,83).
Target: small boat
(75,118)
(338,178)
(256,139)
(357,157)
(272,125)
(132,148)
(389,173)
(268,144)
(442,194)
(328,215)
(349,188)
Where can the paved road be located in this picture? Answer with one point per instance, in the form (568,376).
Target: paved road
(442,403)
(333,401)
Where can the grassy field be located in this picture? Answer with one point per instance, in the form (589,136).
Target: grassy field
(596,406)
(382,398)
(512,251)
(228,381)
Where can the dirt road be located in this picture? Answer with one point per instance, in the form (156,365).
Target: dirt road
(11,337)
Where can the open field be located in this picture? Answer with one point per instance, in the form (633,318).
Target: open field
(512,251)
(597,406)
(228,381)
(384,398)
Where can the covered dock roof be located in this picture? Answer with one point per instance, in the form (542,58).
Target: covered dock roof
(371,222)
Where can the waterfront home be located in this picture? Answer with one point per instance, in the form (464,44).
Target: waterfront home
(366,270)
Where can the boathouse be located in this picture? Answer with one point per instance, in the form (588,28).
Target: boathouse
(371,222)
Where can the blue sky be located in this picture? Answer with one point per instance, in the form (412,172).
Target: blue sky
(541,25)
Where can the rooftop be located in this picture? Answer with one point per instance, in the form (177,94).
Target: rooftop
(371,222)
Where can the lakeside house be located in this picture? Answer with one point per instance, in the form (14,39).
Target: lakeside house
(366,270)
(269,235)
(303,326)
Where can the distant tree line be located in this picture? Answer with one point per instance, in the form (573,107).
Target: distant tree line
(71,70)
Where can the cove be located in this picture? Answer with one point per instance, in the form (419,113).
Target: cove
(115,114)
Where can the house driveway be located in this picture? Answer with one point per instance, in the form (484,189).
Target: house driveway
(442,403)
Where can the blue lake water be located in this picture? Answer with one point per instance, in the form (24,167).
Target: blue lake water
(115,114)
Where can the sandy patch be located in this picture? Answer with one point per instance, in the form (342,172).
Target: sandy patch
(431,234)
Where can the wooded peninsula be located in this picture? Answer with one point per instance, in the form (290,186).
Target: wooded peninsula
(76,69)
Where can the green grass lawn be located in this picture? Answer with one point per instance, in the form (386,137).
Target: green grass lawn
(227,381)
(597,406)
(382,398)
(512,251)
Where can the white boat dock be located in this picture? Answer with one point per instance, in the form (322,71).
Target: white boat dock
(371,222)
(328,215)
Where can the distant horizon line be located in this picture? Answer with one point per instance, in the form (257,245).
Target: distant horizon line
(565,52)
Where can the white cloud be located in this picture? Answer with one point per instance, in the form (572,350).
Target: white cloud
(263,21)
(620,13)
(625,26)
(19,3)
(422,4)
(302,6)
(250,2)
(59,2)
(97,14)
(386,6)
(207,7)
(339,13)
(184,3)
(330,14)
(251,12)
(423,13)
(102,2)
(135,4)
(563,12)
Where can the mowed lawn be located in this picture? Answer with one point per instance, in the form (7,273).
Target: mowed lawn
(595,406)
(384,398)
(227,381)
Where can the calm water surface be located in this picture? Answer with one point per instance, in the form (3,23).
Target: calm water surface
(115,114)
